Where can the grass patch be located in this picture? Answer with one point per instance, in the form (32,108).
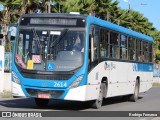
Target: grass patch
(156,84)
(6,95)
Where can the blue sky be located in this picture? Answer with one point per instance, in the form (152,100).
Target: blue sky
(150,10)
(1,7)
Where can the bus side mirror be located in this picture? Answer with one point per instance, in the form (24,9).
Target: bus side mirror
(11,34)
(10,37)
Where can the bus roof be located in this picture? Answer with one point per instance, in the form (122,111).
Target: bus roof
(114,27)
(94,20)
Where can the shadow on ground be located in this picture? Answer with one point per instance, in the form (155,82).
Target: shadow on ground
(28,103)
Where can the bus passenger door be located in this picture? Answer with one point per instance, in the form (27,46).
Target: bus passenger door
(93,56)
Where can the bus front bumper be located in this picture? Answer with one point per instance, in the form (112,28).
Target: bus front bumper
(81,93)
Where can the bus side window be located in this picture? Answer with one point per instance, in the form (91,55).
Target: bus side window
(138,50)
(103,43)
(146,51)
(131,48)
(150,52)
(96,40)
(123,47)
(114,45)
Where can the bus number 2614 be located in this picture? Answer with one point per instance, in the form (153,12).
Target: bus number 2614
(60,84)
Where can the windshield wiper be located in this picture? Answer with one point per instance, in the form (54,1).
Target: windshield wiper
(59,38)
(37,38)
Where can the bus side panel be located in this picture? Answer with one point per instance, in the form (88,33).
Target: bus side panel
(146,82)
(118,79)
(97,73)
(133,73)
(92,92)
(94,79)
(147,77)
(116,74)
(123,88)
(121,77)
(143,73)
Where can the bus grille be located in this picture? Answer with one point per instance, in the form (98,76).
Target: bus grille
(48,77)
(54,93)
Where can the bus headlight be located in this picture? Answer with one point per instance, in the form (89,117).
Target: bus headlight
(15,78)
(76,82)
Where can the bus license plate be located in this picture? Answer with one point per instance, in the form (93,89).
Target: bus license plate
(45,96)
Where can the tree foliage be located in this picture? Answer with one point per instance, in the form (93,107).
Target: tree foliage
(108,10)
(104,9)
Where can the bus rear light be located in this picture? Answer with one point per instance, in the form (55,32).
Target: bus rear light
(15,78)
(76,82)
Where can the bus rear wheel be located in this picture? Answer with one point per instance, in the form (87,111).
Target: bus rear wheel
(41,102)
(98,102)
(134,96)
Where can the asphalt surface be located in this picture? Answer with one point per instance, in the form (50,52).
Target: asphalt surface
(149,101)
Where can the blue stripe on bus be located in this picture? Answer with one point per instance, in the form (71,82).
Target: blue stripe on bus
(142,67)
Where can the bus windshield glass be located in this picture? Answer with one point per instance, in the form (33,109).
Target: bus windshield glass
(60,49)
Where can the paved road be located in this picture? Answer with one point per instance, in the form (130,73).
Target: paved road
(149,101)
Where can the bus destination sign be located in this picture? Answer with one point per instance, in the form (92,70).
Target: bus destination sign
(53,21)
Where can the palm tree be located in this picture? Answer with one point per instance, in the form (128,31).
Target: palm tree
(28,6)
(9,7)
(66,6)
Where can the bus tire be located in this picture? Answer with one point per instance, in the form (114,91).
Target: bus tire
(97,104)
(41,102)
(134,97)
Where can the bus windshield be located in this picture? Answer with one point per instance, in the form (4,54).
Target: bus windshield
(50,50)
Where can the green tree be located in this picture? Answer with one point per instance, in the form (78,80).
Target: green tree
(28,6)
(66,6)
(9,7)
(106,9)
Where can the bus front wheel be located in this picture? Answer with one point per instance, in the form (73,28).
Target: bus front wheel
(41,102)
(98,102)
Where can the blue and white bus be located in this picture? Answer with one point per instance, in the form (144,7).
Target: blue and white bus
(79,58)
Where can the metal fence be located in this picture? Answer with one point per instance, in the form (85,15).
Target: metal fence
(7,62)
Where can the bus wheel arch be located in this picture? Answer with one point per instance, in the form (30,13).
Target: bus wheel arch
(134,96)
(104,82)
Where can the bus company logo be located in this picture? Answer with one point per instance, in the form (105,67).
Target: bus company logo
(106,66)
(109,66)
(113,66)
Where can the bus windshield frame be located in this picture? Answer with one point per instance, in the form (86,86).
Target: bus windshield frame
(54,48)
